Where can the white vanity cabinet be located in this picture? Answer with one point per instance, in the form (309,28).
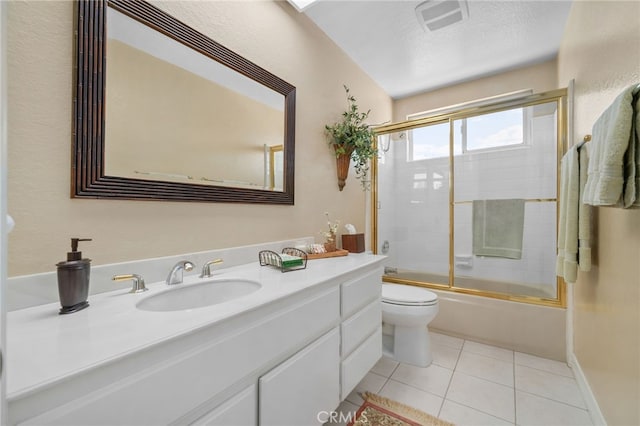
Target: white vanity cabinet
(277,364)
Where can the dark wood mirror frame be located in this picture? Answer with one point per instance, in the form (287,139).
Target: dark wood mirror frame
(87,167)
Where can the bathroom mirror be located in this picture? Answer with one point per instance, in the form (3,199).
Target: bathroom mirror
(163,112)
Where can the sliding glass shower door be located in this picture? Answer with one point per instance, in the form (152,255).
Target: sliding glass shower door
(413,203)
(467,201)
(504,204)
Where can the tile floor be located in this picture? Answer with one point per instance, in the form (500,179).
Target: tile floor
(471,383)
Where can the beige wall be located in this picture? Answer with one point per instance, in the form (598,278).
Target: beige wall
(540,77)
(601,50)
(270,34)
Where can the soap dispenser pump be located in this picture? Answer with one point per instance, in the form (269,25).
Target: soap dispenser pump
(73,279)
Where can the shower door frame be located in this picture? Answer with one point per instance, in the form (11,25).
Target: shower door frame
(560,97)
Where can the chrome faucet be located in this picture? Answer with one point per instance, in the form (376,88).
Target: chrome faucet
(176,274)
(206,268)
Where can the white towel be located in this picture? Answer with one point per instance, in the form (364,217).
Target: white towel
(612,169)
(574,228)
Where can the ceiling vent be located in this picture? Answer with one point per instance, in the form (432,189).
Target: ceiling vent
(436,14)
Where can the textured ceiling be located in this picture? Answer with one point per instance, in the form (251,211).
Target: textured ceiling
(387,41)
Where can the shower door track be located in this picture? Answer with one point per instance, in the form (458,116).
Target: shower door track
(526,200)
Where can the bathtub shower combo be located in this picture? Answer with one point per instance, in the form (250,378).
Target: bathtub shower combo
(466,201)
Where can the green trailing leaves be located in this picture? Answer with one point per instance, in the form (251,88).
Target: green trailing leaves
(353,135)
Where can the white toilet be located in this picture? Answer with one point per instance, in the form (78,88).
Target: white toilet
(406,312)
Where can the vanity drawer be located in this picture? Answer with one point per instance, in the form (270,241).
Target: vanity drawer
(360,291)
(360,326)
(357,365)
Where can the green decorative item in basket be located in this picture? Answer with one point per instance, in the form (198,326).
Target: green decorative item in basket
(288,261)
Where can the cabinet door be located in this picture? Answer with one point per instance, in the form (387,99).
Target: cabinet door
(240,410)
(300,389)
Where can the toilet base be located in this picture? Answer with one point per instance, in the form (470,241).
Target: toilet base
(409,345)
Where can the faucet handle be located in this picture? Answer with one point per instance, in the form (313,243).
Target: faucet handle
(138,282)
(206,268)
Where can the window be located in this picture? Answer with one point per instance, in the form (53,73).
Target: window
(496,130)
(430,142)
(493,131)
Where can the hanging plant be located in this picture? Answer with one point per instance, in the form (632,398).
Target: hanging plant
(352,139)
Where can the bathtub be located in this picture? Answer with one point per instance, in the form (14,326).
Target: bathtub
(534,329)
(543,291)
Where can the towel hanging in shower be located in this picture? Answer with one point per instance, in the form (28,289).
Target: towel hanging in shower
(498,227)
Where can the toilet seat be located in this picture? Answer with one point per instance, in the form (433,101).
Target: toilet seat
(406,295)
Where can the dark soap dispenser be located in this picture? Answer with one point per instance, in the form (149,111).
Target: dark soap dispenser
(73,280)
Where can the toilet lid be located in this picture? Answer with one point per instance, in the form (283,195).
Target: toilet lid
(407,295)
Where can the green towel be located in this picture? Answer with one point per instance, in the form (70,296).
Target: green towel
(614,154)
(497,228)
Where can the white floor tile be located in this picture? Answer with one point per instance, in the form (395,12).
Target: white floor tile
(549,365)
(443,339)
(461,415)
(486,367)
(478,383)
(342,415)
(488,350)
(434,379)
(444,356)
(385,367)
(483,395)
(371,383)
(549,385)
(532,410)
(425,401)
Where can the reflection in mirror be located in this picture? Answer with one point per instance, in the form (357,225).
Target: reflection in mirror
(162,112)
(275,167)
(172,114)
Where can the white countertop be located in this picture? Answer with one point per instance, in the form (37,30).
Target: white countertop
(44,347)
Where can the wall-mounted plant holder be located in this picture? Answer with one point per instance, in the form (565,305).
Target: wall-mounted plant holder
(343,162)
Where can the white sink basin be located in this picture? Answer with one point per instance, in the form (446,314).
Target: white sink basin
(191,296)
